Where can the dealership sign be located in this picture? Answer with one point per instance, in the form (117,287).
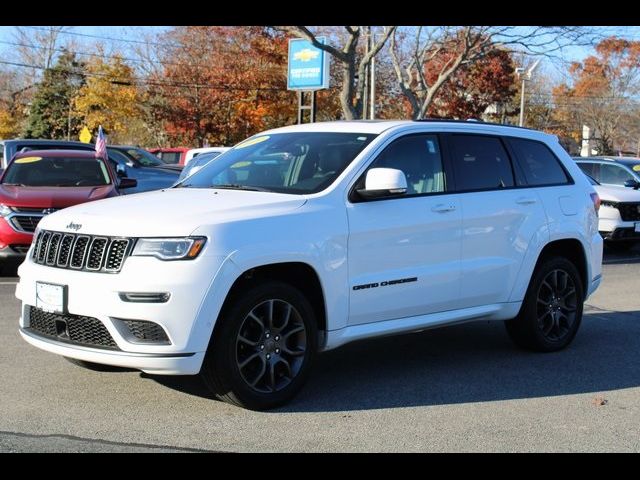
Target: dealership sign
(308,66)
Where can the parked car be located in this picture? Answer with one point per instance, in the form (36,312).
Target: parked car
(620,171)
(619,218)
(171,156)
(308,237)
(150,172)
(194,152)
(8,148)
(197,163)
(39,182)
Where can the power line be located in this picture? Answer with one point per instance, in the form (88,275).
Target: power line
(139,81)
(138,60)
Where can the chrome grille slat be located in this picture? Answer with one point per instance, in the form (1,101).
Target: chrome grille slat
(96,253)
(81,252)
(52,252)
(65,250)
(42,251)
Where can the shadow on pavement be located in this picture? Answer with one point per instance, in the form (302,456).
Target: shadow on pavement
(475,362)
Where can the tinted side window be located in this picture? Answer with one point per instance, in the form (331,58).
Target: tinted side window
(540,165)
(588,169)
(419,157)
(480,163)
(169,157)
(614,174)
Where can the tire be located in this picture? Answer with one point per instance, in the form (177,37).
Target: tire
(96,367)
(255,359)
(545,323)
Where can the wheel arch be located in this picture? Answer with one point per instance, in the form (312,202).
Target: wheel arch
(300,275)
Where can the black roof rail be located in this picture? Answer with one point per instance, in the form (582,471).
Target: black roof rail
(474,120)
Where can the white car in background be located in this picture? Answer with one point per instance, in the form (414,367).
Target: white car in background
(619,216)
(194,152)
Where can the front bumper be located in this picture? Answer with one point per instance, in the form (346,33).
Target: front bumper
(12,242)
(160,364)
(187,317)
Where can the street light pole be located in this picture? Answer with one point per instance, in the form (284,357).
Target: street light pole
(522,102)
(525,77)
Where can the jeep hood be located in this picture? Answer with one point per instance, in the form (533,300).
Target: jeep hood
(170,212)
(617,194)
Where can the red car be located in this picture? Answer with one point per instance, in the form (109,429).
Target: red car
(39,182)
(172,156)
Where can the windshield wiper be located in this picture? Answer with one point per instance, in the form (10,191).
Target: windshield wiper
(14,184)
(236,186)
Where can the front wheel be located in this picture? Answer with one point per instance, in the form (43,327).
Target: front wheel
(263,347)
(552,309)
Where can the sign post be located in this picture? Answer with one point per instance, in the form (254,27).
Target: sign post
(307,72)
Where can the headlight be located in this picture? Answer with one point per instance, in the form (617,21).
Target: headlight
(5,211)
(186,248)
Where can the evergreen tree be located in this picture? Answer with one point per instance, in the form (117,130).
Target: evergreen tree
(51,114)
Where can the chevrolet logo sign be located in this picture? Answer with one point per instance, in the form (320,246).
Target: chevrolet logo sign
(306,55)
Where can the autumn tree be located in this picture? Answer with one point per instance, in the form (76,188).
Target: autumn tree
(423,45)
(51,113)
(109,98)
(221,84)
(603,95)
(473,87)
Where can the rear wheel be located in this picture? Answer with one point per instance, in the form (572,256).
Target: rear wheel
(263,347)
(552,309)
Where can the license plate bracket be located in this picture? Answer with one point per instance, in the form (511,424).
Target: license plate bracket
(51,297)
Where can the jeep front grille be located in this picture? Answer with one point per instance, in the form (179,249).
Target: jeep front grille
(81,252)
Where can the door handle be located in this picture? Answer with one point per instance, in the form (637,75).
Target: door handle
(442,208)
(526,200)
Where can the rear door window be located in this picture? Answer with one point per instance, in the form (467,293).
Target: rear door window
(480,162)
(540,165)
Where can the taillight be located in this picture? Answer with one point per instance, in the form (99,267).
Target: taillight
(595,198)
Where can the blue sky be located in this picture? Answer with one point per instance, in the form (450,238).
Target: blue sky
(131,34)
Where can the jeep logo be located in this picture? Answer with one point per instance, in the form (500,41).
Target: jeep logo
(74,226)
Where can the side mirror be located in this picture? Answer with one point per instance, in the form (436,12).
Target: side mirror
(128,183)
(632,184)
(121,170)
(383,182)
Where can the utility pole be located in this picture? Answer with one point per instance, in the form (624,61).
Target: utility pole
(69,122)
(372,95)
(365,101)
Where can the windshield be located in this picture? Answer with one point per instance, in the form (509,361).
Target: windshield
(144,158)
(196,164)
(297,162)
(57,172)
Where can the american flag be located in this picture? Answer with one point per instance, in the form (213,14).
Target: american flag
(101,144)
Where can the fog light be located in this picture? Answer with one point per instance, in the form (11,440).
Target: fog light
(144,297)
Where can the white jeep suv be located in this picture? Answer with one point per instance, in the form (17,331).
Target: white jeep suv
(304,238)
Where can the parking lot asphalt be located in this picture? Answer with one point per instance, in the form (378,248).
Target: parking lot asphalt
(461,388)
